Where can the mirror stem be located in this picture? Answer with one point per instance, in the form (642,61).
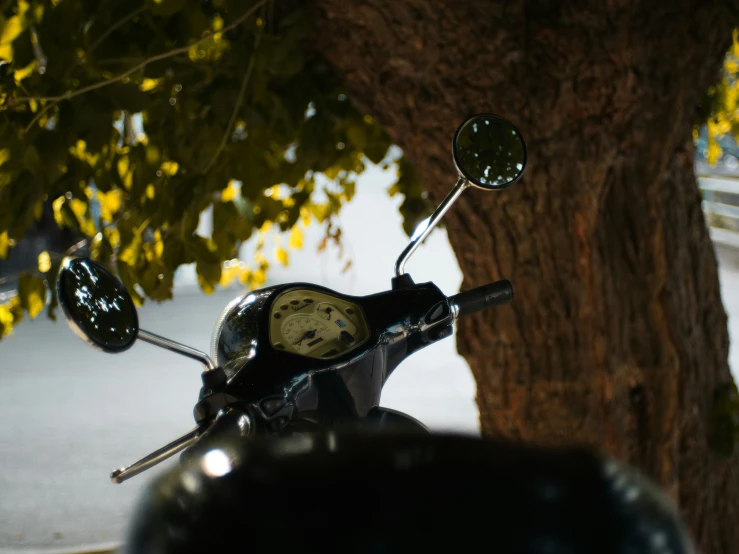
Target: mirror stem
(425,227)
(173,346)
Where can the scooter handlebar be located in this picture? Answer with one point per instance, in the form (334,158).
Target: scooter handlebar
(480,298)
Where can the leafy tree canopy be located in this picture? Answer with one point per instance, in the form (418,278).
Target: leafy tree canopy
(132,119)
(722,106)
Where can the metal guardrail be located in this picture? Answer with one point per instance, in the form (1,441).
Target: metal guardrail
(721,206)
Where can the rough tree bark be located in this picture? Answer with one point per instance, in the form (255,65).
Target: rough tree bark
(617,337)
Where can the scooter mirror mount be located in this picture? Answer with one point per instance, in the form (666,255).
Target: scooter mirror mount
(489,153)
(100,311)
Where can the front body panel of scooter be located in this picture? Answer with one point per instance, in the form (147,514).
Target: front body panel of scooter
(281,382)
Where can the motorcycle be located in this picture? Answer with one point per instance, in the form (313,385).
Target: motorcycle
(290,401)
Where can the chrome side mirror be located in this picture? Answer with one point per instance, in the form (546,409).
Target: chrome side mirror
(96,305)
(100,311)
(489,153)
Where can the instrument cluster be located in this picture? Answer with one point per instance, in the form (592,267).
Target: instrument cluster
(315,324)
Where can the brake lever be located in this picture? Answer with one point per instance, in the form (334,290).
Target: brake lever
(177,445)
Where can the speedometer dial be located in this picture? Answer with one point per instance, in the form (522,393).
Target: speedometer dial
(315,324)
(304,333)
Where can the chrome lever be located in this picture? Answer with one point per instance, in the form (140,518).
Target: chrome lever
(123,474)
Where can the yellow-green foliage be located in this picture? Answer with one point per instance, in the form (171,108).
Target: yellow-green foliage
(230,107)
(722,103)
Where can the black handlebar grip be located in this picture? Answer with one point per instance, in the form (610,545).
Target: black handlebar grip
(487,296)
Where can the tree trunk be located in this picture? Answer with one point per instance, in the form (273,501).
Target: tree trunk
(617,337)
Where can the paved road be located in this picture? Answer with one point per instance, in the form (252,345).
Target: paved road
(72,414)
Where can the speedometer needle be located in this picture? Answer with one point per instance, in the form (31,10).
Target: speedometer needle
(308,335)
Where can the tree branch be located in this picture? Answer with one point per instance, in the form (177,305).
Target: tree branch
(39,114)
(105,35)
(237,107)
(115,26)
(112,61)
(163,56)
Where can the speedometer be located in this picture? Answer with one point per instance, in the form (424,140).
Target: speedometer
(315,324)
(304,333)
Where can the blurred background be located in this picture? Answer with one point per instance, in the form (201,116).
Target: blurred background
(73,414)
(202,146)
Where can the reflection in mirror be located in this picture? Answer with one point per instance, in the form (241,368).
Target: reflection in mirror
(96,305)
(489,151)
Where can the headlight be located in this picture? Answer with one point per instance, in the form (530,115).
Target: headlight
(237,329)
(220,322)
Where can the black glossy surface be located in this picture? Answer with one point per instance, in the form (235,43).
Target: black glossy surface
(96,305)
(482,298)
(357,493)
(385,420)
(489,151)
(323,392)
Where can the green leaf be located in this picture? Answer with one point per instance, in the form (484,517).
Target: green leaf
(55,153)
(128,97)
(357,136)
(19,203)
(164,287)
(32,293)
(281,255)
(53,304)
(283,58)
(89,123)
(189,223)
(228,219)
(296,238)
(31,158)
(208,276)
(101,250)
(415,207)
(377,147)
(175,253)
(157,282)
(9,31)
(224,100)
(4,245)
(207,263)
(10,315)
(80,142)
(22,50)
(128,278)
(165,7)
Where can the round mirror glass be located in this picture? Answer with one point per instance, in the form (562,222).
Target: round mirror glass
(97,306)
(489,151)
